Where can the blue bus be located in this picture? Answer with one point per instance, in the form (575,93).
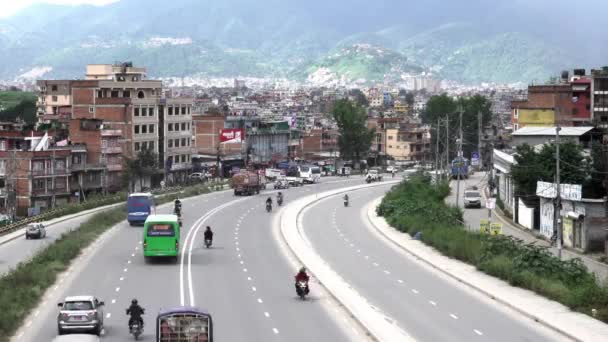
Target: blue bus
(460,168)
(184,324)
(139,206)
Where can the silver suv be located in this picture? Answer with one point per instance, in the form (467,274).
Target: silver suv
(472,198)
(80,313)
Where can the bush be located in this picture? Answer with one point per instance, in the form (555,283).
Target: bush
(418,206)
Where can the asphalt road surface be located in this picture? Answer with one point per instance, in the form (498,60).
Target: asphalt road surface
(244,280)
(422,301)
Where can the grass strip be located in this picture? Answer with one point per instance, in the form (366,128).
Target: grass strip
(22,288)
(417,205)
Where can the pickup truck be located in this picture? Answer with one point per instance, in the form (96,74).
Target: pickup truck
(373,176)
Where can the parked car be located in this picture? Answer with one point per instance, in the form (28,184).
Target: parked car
(472,198)
(198,176)
(80,313)
(35,231)
(391,169)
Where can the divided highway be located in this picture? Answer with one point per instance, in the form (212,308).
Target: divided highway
(425,303)
(245,280)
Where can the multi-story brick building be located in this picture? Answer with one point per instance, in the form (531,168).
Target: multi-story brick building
(54,102)
(33,174)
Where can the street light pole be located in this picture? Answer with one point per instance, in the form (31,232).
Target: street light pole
(460,160)
(558,199)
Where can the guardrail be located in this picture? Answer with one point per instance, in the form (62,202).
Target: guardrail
(73,209)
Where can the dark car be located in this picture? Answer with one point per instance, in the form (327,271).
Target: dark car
(35,231)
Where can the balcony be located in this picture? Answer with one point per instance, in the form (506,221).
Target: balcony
(112,101)
(111,133)
(111,150)
(50,172)
(49,192)
(114,167)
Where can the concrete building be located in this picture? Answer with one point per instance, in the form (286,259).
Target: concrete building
(599,100)
(175,136)
(54,102)
(540,135)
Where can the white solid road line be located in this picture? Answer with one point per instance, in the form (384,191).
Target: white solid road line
(190,237)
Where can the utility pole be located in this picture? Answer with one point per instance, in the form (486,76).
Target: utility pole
(479,125)
(556,211)
(437,152)
(460,159)
(447,144)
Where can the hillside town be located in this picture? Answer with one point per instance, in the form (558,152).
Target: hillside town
(88,130)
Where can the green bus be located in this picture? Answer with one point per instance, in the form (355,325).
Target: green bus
(161,236)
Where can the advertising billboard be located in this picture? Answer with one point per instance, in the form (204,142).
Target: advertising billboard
(232,135)
(536,117)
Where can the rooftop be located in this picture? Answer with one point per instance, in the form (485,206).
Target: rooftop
(543,131)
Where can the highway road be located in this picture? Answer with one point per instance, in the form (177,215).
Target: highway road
(20,249)
(424,302)
(245,280)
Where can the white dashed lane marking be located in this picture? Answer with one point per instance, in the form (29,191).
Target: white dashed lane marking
(453,316)
(478,332)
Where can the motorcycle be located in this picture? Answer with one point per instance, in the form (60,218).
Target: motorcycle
(177,211)
(301,289)
(280,201)
(268,207)
(136,330)
(346,203)
(207,243)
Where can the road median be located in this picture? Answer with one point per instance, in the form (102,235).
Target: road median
(378,325)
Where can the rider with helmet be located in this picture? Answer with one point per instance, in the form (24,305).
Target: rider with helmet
(135,311)
(302,276)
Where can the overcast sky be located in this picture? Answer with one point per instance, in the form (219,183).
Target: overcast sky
(9,7)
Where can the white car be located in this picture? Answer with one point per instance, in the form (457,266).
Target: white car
(472,198)
(35,231)
(80,314)
(391,169)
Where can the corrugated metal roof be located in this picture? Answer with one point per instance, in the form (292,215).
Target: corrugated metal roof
(543,131)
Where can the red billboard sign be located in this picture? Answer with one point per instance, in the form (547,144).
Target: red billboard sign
(232,135)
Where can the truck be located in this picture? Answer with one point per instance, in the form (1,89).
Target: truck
(272,174)
(246,183)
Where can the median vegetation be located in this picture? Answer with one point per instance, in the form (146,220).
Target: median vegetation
(418,206)
(23,287)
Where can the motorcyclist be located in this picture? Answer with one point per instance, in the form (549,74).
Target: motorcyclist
(302,276)
(346,198)
(177,206)
(135,311)
(269,201)
(279,197)
(208,234)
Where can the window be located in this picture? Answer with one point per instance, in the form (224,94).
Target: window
(170,127)
(183,142)
(144,145)
(136,146)
(126,94)
(143,111)
(151,111)
(183,126)
(188,126)
(136,111)
(151,145)
(188,140)
(390,137)
(136,129)
(54,87)
(151,129)
(60,165)
(390,146)
(170,110)
(144,129)
(54,98)
(183,110)
(189,109)
(170,142)
(176,142)
(38,184)
(140,95)
(91,109)
(114,93)
(99,93)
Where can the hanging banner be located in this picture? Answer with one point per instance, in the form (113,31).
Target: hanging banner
(232,135)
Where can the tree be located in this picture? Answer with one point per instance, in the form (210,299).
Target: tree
(443,106)
(532,166)
(410,99)
(360,98)
(143,166)
(25,109)
(355,138)
(402,92)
